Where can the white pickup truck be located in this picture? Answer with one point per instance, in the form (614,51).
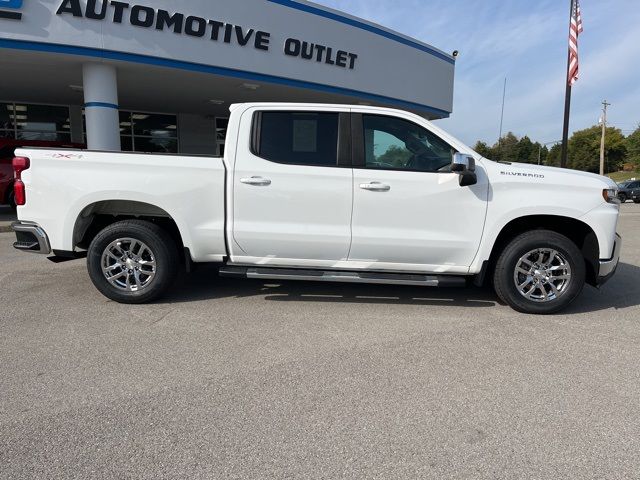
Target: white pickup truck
(323,193)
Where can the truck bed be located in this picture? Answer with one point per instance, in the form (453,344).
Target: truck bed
(64,186)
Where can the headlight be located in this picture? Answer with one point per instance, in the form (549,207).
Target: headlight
(610,195)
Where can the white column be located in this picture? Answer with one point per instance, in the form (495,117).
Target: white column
(101,106)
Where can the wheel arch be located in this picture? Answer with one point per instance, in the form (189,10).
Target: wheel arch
(576,230)
(98,215)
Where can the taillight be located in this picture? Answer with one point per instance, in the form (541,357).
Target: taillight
(18,192)
(20,164)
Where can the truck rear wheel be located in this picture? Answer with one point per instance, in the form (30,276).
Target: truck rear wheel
(132,261)
(539,272)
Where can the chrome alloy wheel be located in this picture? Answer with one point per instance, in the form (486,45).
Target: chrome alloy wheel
(542,275)
(128,264)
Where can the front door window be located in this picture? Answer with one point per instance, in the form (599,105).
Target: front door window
(397,144)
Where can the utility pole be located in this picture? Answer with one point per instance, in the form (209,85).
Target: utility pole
(604,133)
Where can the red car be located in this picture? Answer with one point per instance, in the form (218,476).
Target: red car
(7,147)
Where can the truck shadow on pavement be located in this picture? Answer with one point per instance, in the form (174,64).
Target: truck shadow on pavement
(204,284)
(621,292)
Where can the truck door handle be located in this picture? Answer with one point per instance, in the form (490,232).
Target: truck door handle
(375,187)
(257,181)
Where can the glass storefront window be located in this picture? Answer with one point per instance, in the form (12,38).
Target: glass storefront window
(23,121)
(45,136)
(126,144)
(221,134)
(6,116)
(152,125)
(42,118)
(156,144)
(221,128)
(125,122)
(148,132)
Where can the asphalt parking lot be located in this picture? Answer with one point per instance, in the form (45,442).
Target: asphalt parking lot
(246,379)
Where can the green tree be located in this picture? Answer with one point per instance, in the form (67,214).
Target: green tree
(483,149)
(506,150)
(527,151)
(543,151)
(633,148)
(512,149)
(553,157)
(584,149)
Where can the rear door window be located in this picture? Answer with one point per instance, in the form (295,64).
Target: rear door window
(297,138)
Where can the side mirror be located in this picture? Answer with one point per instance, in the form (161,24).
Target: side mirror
(465,166)
(463,162)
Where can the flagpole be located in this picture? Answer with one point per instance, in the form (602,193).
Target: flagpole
(565,129)
(567,103)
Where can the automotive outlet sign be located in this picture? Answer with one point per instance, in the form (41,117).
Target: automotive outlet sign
(215,30)
(291,43)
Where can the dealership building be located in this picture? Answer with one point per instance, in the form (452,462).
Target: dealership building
(159,76)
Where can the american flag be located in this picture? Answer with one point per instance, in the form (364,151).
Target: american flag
(574,33)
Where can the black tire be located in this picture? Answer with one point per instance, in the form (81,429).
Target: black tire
(636,200)
(162,248)
(622,197)
(505,284)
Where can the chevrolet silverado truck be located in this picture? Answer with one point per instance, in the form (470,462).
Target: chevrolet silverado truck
(315,192)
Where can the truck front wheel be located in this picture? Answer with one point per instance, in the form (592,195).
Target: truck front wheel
(132,261)
(539,272)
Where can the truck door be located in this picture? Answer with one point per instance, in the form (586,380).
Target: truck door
(292,188)
(409,211)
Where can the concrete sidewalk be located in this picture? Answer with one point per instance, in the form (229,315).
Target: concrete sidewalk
(7,216)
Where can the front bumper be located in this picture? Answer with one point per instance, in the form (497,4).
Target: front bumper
(608,267)
(30,237)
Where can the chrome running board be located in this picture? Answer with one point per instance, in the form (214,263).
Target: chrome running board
(264,273)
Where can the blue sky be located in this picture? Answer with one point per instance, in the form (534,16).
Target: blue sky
(526,41)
